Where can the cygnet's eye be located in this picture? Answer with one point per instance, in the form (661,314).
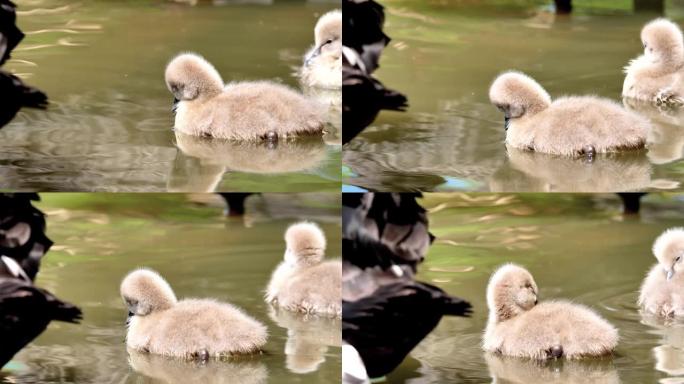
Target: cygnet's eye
(677,259)
(328,41)
(175,87)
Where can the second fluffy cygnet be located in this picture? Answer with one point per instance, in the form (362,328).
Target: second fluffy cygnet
(249,110)
(568,126)
(190,328)
(323,63)
(662,292)
(656,76)
(303,282)
(520,327)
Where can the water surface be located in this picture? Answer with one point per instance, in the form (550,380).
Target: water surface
(445,54)
(99,238)
(109,124)
(577,247)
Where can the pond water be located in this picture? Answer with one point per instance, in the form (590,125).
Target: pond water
(445,54)
(109,124)
(577,247)
(99,238)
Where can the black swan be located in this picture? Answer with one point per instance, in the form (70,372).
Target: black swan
(385,312)
(14,94)
(363,41)
(25,310)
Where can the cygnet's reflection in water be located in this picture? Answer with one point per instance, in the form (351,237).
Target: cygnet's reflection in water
(168,370)
(201,162)
(531,171)
(669,355)
(666,140)
(308,338)
(523,371)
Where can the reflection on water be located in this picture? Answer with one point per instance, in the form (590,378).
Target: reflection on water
(444,57)
(578,247)
(520,371)
(98,239)
(201,163)
(538,172)
(173,371)
(666,141)
(109,123)
(669,355)
(308,338)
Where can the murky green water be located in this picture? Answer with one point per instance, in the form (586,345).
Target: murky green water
(445,54)
(577,247)
(109,123)
(99,238)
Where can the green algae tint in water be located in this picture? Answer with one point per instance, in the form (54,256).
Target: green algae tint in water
(101,237)
(445,54)
(577,247)
(109,124)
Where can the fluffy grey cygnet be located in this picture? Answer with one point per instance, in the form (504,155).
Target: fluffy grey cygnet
(189,328)
(248,110)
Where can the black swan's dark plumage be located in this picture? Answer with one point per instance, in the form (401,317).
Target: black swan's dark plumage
(362,31)
(25,310)
(8,29)
(385,326)
(14,94)
(18,215)
(386,313)
(394,220)
(364,40)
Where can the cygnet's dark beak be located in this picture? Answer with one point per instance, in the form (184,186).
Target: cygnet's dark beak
(128,318)
(313,55)
(507,121)
(175,105)
(536,301)
(670,273)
